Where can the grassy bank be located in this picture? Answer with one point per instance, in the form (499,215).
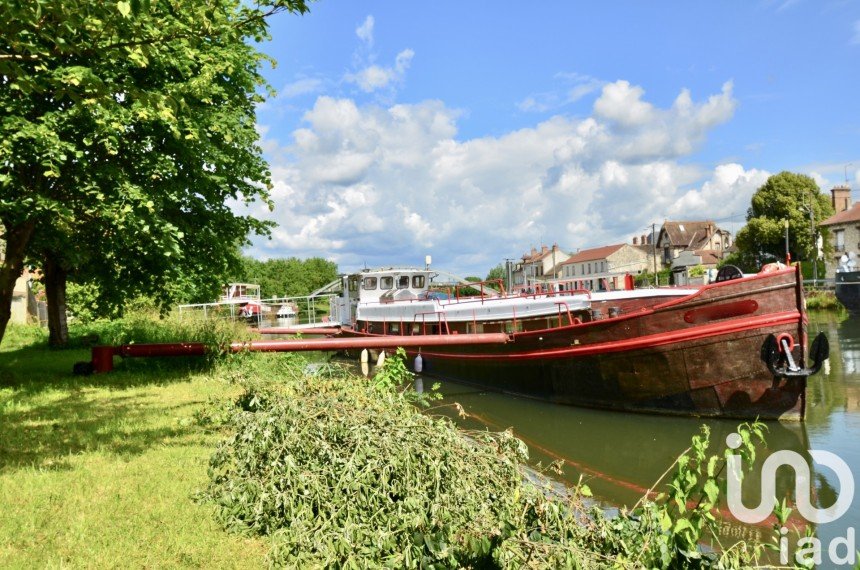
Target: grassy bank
(99,471)
(821,300)
(260,459)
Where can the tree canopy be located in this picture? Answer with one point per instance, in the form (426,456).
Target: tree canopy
(127,138)
(291,277)
(785,196)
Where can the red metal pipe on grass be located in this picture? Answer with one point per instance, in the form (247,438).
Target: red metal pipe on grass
(102,356)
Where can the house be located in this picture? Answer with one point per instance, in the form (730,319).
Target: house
(22,303)
(844,227)
(676,237)
(538,265)
(683,246)
(604,267)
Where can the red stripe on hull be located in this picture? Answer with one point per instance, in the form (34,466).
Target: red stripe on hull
(656,359)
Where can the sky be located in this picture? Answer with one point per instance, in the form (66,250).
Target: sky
(474,131)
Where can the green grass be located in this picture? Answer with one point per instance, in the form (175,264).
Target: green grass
(113,470)
(819,300)
(100,471)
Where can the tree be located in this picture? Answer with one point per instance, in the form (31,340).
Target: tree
(785,196)
(290,277)
(128,128)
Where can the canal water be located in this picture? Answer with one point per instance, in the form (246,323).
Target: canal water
(621,455)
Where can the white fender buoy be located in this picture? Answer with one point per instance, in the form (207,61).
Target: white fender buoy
(364,355)
(419,364)
(381,360)
(365,368)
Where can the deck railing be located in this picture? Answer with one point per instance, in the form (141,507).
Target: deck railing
(307,310)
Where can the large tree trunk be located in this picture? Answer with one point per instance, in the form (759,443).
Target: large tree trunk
(56,276)
(17,238)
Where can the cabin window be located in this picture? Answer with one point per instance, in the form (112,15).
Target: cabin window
(417,281)
(386,283)
(403,282)
(369,283)
(352,283)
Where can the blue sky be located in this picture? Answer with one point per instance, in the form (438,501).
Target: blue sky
(472,131)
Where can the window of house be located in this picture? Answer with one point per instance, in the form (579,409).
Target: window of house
(589,269)
(839,240)
(403,282)
(417,281)
(386,283)
(368,283)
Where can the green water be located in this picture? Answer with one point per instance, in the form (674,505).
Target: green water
(622,455)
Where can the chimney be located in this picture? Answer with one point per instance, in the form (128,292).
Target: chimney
(642,239)
(544,249)
(635,240)
(841,198)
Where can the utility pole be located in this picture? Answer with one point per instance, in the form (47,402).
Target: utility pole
(814,246)
(787,254)
(654,252)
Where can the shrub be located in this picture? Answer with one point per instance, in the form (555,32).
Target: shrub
(343,471)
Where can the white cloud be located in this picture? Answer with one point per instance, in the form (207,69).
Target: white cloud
(381,185)
(365,30)
(375,77)
(726,195)
(370,76)
(301,86)
(622,103)
(576,87)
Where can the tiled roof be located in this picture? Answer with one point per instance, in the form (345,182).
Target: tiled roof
(687,234)
(541,254)
(852,214)
(593,253)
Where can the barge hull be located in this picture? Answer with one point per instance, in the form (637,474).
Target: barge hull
(697,355)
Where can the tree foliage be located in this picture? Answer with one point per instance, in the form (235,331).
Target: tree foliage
(785,196)
(128,135)
(497,272)
(291,277)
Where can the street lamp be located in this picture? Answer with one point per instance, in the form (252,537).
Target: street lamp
(787,254)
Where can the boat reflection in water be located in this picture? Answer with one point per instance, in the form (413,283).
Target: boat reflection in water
(621,456)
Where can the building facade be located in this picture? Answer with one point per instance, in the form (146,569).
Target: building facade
(603,268)
(538,265)
(844,228)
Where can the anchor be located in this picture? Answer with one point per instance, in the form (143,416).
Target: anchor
(777,355)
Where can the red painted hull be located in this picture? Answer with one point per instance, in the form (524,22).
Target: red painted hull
(696,355)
